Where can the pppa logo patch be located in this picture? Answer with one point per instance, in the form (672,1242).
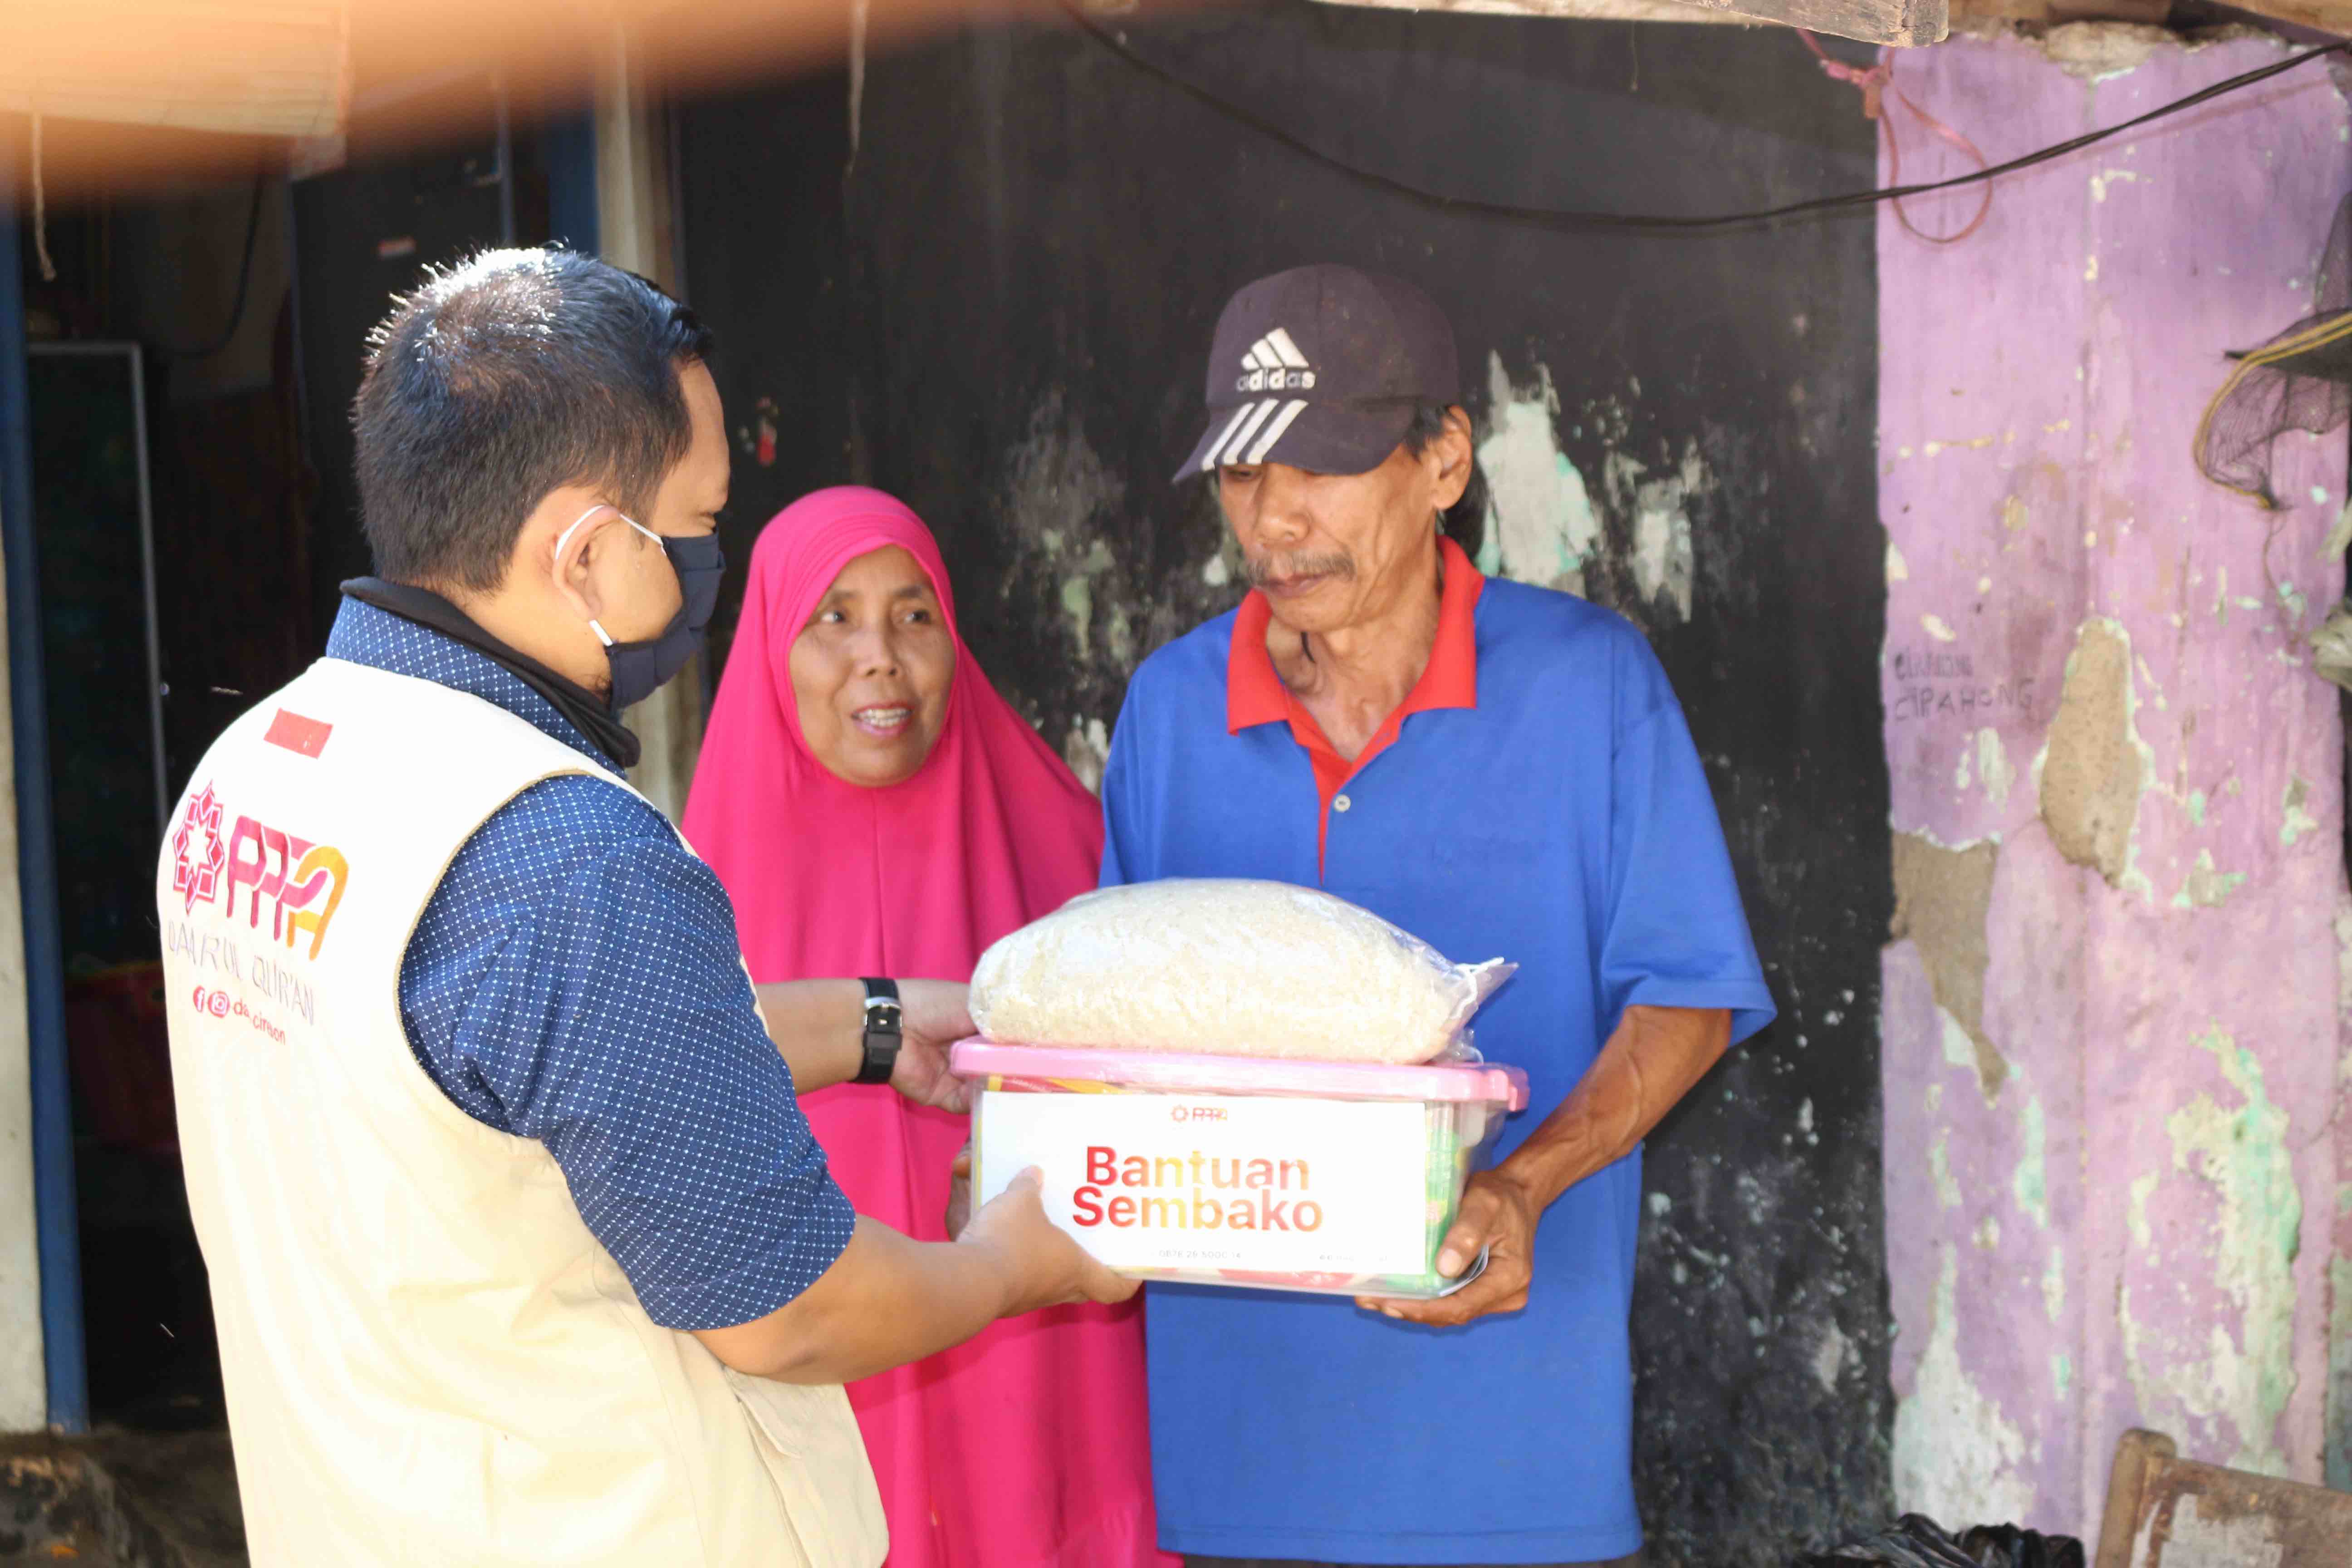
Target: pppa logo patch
(198,852)
(304,882)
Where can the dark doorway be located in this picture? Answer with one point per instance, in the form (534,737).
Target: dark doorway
(193,352)
(170,531)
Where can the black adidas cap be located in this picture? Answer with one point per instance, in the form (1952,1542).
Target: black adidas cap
(1322,367)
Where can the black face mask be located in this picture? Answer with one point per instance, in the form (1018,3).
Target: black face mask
(641,668)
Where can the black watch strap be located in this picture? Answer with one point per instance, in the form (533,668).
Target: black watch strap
(884,1031)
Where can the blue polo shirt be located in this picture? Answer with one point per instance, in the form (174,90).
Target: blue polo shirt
(1537,799)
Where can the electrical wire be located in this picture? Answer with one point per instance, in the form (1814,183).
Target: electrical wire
(243,285)
(1641,223)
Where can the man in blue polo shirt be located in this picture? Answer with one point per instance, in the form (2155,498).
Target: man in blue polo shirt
(1498,769)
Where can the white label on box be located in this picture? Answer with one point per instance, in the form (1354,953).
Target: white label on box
(1154,1181)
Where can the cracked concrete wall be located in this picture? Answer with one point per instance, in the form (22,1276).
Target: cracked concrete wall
(2112,1003)
(2091,769)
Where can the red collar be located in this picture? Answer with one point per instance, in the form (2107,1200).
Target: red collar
(1255,693)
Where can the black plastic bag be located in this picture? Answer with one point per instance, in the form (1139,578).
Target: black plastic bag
(1919,1542)
(2007,1546)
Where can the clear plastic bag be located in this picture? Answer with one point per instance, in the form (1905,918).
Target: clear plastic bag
(1215,967)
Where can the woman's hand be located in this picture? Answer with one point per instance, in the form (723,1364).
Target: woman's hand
(818,1025)
(959,1191)
(934,1015)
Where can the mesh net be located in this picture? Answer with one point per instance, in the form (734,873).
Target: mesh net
(2297,382)
(2300,380)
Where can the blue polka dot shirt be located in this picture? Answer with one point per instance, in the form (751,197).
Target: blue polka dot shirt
(576,980)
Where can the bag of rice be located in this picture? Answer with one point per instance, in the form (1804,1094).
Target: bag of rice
(1227,968)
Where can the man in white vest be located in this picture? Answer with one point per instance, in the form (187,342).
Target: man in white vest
(521,1251)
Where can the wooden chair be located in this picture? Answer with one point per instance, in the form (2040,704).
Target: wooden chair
(2163,1511)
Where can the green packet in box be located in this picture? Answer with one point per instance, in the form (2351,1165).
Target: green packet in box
(1337,1177)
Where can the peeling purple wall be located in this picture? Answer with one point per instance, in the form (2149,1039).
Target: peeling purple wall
(2111,1013)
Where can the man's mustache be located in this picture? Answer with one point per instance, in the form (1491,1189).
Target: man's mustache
(1284,568)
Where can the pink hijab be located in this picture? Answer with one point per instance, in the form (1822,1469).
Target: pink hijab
(829,877)
(1024,1447)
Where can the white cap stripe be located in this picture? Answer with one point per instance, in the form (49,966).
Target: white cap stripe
(1232,453)
(1210,459)
(1282,345)
(1251,360)
(1290,411)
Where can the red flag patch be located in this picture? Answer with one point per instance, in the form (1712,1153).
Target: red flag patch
(296,733)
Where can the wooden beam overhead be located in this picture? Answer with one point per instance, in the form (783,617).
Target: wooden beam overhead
(1893,22)
(255,67)
(1902,22)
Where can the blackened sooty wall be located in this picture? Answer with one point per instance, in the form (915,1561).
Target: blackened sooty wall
(998,307)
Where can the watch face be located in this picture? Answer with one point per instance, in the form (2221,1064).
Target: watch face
(881,1050)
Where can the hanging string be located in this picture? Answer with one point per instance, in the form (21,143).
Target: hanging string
(40,209)
(1874,84)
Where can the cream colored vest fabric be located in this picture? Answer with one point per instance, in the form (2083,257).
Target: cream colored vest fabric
(429,1359)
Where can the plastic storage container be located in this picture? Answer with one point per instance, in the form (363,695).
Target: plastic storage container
(1340,1177)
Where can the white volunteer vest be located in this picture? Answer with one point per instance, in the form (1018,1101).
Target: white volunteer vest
(429,1359)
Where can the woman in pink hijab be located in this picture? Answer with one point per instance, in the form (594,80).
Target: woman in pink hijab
(875,807)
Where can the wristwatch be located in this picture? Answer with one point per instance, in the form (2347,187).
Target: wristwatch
(884,1031)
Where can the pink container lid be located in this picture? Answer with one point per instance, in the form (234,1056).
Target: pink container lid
(1489,1081)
